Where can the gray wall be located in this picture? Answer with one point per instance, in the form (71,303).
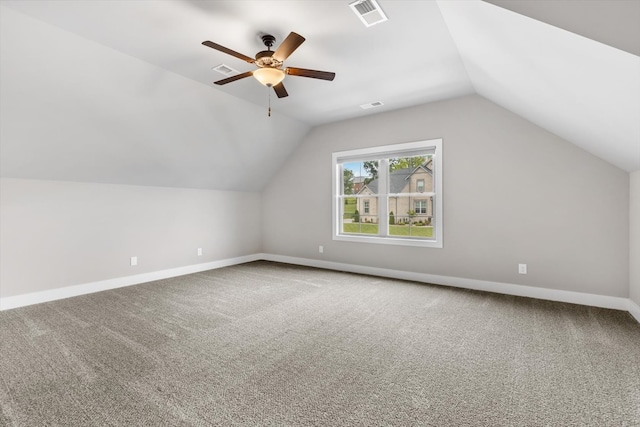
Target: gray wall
(634,238)
(57,234)
(514,193)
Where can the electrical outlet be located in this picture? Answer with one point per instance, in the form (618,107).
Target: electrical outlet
(134,260)
(199,251)
(522,268)
(321,249)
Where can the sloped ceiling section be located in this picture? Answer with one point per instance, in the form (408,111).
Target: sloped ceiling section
(122,91)
(72,109)
(614,23)
(585,92)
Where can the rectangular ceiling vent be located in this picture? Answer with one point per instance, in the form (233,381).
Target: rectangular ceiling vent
(372,105)
(226,70)
(368,11)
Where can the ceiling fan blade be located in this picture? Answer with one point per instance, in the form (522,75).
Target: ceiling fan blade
(280,90)
(286,48)
(314,74)
(234,78)
(216,46)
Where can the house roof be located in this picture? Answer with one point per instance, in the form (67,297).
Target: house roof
(133,78)
(397,180)
(359,179)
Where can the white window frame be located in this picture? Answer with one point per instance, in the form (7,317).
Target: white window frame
(420,209)
(379,153)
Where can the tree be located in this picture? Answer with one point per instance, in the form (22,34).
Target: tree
(392,218)
(407,162)
(347,180)
(411,214)
(356,216)
(371,166)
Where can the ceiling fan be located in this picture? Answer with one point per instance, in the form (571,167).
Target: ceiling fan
(270,72)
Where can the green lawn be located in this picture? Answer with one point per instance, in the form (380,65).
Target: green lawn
(360,227)
(416,231)
(394,230)
(349,207)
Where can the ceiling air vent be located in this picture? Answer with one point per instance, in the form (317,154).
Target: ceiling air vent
(368,11)
(372,105)
(226,70)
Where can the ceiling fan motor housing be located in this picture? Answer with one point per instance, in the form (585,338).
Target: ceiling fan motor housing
(265,59)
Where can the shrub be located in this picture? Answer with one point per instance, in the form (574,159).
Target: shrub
(392,218)
(356,216)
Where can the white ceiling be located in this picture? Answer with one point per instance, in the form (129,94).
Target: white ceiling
(372,64)
(132,79)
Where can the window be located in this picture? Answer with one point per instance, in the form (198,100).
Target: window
(389,194)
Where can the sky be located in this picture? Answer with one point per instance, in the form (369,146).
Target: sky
(356,167)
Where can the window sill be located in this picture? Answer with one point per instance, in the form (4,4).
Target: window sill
(389,241)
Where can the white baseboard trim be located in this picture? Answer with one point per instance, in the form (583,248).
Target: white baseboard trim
(603,301)
(593,300)
(7,303)
(634,309)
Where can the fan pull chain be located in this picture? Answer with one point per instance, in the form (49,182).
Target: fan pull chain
(269,92)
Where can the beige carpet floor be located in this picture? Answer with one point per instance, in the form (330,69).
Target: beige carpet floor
(274,344)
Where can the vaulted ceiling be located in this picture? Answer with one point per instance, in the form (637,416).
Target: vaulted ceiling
(121,91)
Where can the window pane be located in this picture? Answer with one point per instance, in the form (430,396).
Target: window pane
(361,222)
(411,174)
(359,215)
(388,191)
(358,175)
(411,217)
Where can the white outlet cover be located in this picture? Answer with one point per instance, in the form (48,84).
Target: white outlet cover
(134,260)
(522,268)
(199,251)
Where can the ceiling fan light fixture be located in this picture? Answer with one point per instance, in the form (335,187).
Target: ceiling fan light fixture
(269,76)
(270,72)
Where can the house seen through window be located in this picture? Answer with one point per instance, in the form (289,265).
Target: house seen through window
(390,194)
